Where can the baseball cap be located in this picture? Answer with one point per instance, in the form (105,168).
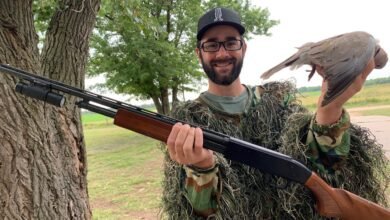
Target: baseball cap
(219,16)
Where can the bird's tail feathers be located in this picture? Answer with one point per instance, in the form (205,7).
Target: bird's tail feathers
(288,62)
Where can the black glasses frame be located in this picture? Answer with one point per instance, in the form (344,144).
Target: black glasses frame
(221,43)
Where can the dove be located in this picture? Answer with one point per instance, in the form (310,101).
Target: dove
(342,58)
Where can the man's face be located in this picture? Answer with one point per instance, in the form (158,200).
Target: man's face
(223,66)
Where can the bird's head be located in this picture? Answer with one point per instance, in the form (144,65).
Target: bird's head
(380,57)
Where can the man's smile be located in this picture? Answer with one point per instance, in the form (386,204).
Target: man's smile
(223,63)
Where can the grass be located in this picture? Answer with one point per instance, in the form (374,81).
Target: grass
(90,117)
(93,120)
(124,170)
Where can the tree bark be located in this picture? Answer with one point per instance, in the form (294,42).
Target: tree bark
(42,153)
(158,104)
(175,99)
(165,101)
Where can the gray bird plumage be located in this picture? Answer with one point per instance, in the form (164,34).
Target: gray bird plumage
(342,57)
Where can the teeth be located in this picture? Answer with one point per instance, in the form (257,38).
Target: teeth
(222,64)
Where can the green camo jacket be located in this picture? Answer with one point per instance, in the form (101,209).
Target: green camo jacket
(327,146)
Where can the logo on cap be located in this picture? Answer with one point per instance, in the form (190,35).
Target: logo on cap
(218,14)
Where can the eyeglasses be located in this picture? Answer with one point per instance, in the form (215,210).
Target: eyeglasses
(214,46)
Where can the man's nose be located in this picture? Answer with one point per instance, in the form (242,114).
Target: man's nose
(222,52)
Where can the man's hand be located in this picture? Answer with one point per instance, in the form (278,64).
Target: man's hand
(185,146)
(331,113)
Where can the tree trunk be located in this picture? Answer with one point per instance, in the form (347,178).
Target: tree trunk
(175,99)
(162,102)
(42,152)
(165,101)
(157,104)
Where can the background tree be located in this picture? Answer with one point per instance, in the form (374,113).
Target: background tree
(146,47)
(42,152)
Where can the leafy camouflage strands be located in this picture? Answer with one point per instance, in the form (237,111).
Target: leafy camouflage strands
(249,194)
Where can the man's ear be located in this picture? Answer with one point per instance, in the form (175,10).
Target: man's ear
(243,48)
(197,51)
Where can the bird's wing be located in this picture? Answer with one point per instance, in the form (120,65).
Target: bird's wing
(345,60)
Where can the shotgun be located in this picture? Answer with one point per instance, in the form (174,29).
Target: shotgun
(330,202)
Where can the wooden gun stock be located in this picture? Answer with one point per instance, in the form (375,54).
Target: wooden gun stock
(340,203)
(142,124)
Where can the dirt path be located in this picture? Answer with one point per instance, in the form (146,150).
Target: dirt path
(379,125)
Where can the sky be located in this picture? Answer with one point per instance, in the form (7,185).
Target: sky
(304,21)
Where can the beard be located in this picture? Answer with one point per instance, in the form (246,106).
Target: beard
(226,79)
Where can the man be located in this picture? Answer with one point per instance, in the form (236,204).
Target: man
(201,183)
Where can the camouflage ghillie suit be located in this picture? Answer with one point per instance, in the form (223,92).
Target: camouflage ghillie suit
(344,155)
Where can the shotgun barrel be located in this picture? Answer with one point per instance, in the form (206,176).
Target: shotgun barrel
(331,202)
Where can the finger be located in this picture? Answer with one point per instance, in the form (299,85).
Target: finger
(188,147)
(180,139)
(172,139)
(198,146)
(320,70)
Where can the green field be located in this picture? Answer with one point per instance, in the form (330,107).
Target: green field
(92,120)
(369,96)
(125,169)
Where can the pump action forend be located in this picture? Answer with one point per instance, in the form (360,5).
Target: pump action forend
(331,202)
